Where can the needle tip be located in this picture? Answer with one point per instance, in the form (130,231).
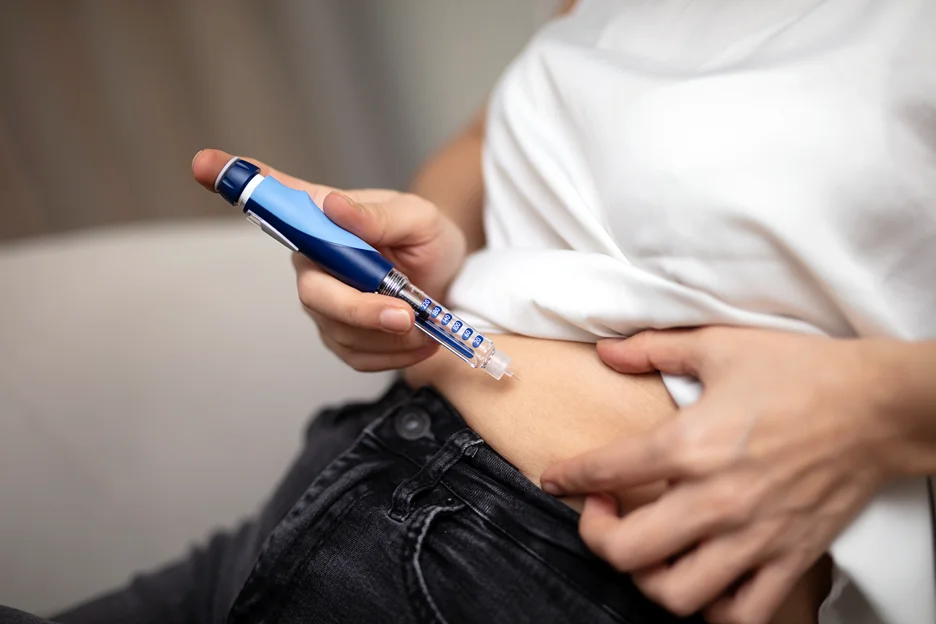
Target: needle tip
(510,373)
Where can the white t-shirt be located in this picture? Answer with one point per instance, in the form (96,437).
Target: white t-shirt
(760,162)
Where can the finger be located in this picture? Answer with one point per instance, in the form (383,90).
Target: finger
(208,163)
(678,352)
(701,575)
(385,223)
(681,518)
(373,362)
(323,294)
(599,518)
(719,612)
(605,533)
(368,340)
(758,599)
(629,462)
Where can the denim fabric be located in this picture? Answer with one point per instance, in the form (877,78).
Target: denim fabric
(395,511)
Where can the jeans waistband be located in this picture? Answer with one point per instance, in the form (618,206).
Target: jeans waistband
(424,427)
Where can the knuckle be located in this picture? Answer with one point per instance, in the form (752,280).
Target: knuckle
(424,208)
(723,612)
(343,354)
(312,314)
(615,556)
(414,202)
(356,361)
(305,297)
(358,365)
(599,544)
(305,290)
(615,548)
(301,264)
(685,441)
(591,469)
(647,337)
(341,335)
(353,314)
(671,445)
(679,606)
(711,343)
(408,342)
(731,505)
(380,217)
(321,323)
(668,440)
(677,600)
(721,618)
(707,336)
(425,215)
(672,596)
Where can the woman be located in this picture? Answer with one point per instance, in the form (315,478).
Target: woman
(650,165)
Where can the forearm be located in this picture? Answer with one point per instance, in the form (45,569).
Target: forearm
(452,180)
(906,403)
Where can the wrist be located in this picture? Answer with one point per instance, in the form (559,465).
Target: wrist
(902,400)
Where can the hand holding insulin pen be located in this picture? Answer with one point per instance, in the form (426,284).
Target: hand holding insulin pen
(291,217)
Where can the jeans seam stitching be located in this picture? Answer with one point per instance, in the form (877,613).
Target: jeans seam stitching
(425,523)
(604,607)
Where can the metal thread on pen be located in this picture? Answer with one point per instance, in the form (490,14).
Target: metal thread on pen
(392,284)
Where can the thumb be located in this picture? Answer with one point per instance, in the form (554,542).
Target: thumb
(677,352)
(208,163)
(384,219)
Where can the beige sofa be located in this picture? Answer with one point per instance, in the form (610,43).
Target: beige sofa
(154,383)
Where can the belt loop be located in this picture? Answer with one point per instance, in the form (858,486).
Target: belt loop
(462,443)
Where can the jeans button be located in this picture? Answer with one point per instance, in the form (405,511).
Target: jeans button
(412,424)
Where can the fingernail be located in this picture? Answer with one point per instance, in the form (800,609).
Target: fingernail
(395,320)
(351,201)
(196,155)
(551,488)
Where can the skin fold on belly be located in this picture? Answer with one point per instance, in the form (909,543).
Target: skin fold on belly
(568,402)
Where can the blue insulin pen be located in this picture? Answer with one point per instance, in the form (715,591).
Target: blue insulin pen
(291,217)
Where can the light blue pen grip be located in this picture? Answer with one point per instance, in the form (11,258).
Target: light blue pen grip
(296,217)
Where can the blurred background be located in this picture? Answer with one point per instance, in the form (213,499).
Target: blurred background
(104,102)
(156,371)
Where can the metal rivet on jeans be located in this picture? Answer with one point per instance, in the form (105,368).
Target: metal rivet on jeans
(412,424)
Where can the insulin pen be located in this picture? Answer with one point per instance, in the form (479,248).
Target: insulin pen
(291,217)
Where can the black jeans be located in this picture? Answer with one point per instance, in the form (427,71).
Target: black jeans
(395,511)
